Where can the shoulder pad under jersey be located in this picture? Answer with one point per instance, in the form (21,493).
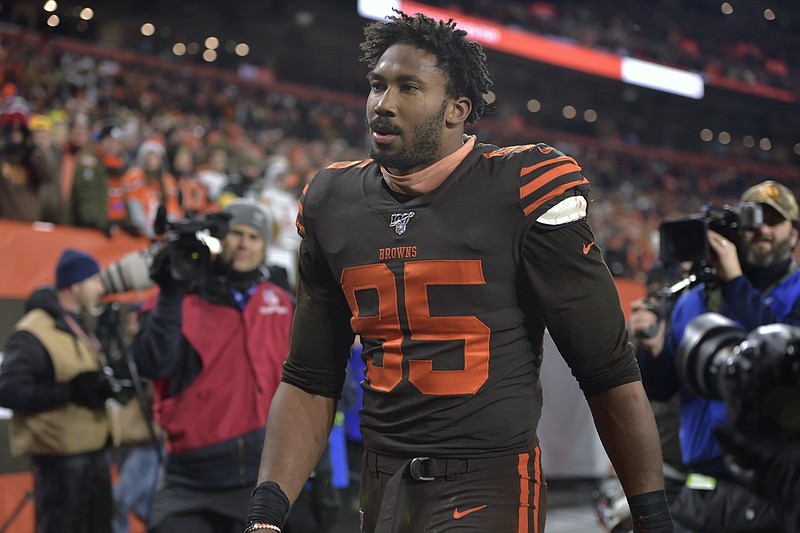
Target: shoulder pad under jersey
(315,190)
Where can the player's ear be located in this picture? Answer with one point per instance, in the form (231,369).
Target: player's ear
(458,110)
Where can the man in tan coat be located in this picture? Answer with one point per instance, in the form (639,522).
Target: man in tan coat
(52,379)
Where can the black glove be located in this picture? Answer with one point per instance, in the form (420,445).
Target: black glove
(160,270)
(90,389)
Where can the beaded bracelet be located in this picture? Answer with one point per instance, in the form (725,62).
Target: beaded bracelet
(256,526)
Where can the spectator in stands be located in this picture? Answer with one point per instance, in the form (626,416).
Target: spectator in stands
(77,140)
(245,182)
(193,192)
(25,169)
(215,351)
(97,200)
(214,174)
(41,127)
(149,185)
(283,205)
(52,379)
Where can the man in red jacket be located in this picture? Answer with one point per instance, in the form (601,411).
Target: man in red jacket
(215,354)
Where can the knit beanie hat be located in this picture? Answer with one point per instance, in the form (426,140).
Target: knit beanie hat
(244,211)
(73,267)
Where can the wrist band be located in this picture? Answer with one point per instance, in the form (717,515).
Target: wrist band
(650,512)
(268,508)
(257,525)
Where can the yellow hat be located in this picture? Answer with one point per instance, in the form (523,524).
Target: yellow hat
(40,123)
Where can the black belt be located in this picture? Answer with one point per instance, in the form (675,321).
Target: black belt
(416,468)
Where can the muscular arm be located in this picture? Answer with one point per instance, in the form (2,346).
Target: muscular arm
(581,308)
(297,433)
(302,411)
(628,431)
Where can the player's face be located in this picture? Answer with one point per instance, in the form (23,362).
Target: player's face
(772,243)
(406,109)
(243,248)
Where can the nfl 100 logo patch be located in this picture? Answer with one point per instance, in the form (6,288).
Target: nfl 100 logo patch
(399,221)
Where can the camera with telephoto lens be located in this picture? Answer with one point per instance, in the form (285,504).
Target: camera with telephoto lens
(756,374)
(186,249)
(686,238)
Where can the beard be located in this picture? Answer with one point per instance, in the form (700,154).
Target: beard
(781,251)
(422,150)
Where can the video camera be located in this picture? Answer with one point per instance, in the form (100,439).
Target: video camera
(757,375)
(686,238)
(187,248)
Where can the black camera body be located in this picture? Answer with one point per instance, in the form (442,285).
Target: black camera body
(187,245)
(686,238)
(757,375)
(185,255)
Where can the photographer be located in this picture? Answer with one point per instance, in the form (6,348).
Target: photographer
(756,283)
(776,464)
(215,352)
(51,378)
(648,322)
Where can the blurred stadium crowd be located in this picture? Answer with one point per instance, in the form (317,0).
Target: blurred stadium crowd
(654,32)
(218,136)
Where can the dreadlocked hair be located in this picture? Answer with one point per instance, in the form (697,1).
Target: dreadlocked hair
(463,61)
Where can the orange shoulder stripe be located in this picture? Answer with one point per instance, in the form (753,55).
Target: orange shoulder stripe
(509,150)
(347,164)
(558,191)
(527,170)
(546,178)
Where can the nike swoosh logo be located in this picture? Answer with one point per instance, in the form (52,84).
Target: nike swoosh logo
(587,247)
(461,514)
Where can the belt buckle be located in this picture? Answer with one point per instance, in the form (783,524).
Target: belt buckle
(415,469)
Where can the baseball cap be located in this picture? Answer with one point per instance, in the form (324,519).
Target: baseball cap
(73,267)
(776,196)
(253,213)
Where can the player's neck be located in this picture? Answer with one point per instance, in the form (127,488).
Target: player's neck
(428,179)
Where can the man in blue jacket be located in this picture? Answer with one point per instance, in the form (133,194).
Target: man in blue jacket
(758,283)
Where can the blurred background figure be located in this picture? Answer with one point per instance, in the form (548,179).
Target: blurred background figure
(139,450)
(97,199)
(149,185)
(193,192)
(77,138)
(246,182)
(283,204)
(26,169)
(214,173)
